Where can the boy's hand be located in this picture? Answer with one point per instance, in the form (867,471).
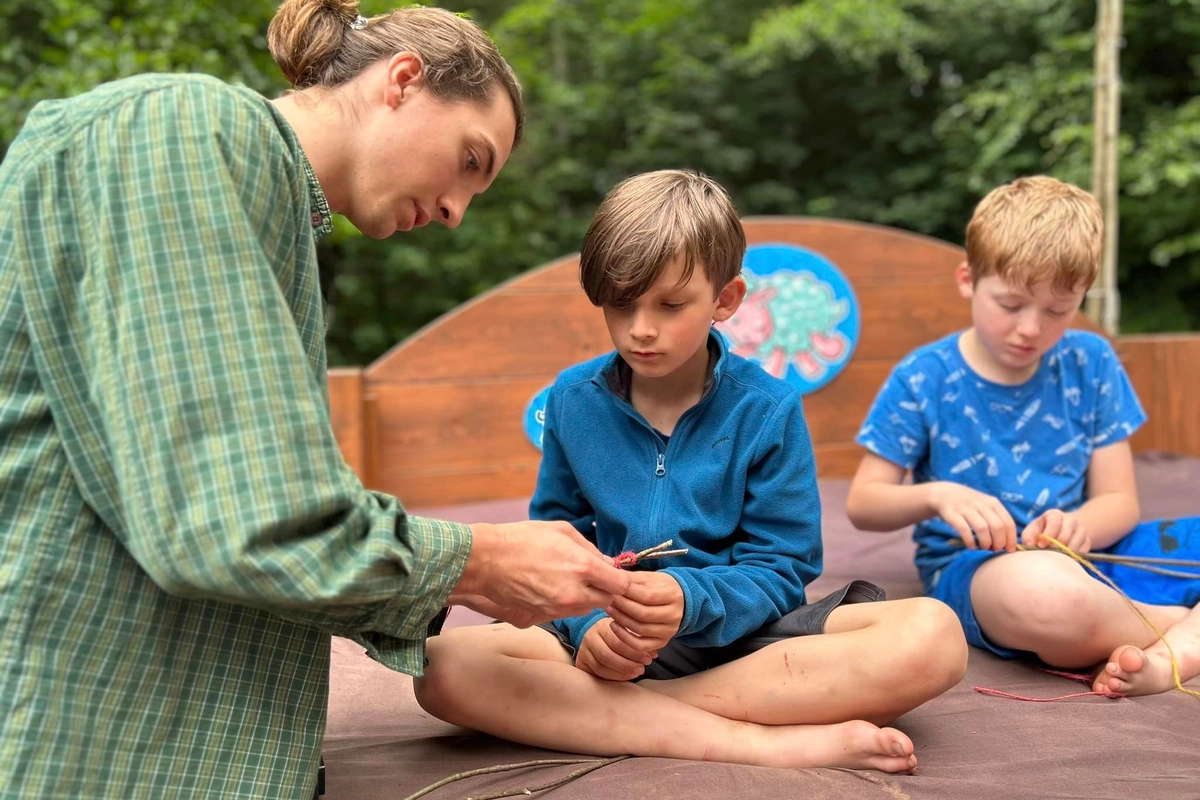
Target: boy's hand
(979,519)
(649,613)
(1055,524)
(604,655)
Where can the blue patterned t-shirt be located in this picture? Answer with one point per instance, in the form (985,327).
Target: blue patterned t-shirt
(1027,445)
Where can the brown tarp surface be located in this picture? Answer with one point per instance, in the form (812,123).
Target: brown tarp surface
(380,744)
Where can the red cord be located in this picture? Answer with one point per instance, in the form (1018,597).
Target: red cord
(626,559)
(1075,676)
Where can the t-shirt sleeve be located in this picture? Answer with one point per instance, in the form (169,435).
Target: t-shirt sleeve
(1118,411)
(895,428)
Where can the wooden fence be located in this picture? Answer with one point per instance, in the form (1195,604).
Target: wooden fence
(439,419)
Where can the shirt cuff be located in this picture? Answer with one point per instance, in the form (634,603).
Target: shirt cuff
(439,556)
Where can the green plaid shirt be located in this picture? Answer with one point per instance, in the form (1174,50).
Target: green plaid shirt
(179,535)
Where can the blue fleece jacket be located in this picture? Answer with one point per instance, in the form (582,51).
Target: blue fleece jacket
(735,484)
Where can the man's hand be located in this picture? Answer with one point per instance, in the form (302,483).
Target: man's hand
(1055,524)
(537,571)
(649,613)
(980,520)
(603,654)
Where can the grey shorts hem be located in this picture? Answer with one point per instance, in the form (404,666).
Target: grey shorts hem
(809,619)
(679,660)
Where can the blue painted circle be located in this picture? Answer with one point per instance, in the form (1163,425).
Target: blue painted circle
(535,417)
(806,304)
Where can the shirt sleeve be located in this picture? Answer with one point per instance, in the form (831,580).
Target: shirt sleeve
(781,551)
(213,413)
(1118,412)
(558,497)
(895,427)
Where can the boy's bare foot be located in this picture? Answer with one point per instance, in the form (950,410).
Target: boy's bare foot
(1134,672)
(856,745)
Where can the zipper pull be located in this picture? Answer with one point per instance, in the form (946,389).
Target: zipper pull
(661,468)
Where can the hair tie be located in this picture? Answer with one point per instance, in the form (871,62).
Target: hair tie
(359,23)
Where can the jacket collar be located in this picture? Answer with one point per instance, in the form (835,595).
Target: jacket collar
(616,374)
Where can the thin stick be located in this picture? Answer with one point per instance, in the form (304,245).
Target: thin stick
(664,554)
(579,773)
(1136,562)
(1119,559)
(1170,573)
(658,548)
(593,764)
(629,558)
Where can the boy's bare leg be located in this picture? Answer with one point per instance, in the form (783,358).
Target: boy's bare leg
(875,661)
(1134,671)
(520,685)
(1046,603)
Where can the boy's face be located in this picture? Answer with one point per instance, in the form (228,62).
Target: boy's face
(1017,325)
(661,330)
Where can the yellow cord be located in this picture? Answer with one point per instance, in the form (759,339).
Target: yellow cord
(1161,636)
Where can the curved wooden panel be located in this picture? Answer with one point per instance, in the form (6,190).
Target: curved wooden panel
(541,314)
(346,416)
(444,409)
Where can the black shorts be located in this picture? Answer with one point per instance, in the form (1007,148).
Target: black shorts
(677,660)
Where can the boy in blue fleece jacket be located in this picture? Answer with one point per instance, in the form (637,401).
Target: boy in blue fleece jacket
(714,654)
(1016,432)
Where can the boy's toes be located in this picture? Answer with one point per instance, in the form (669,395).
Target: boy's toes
(897,742)
(893,764)
(1125,662)
(1107,684)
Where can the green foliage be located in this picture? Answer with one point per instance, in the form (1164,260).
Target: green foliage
(901,112)
(58,48)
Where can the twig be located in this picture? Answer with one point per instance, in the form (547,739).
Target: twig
(592,765)
(629,558)
(1121,559)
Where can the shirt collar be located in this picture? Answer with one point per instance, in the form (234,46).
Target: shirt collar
(618,375)
(322,219)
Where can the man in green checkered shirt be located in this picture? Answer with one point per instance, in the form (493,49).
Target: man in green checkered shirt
(179,535)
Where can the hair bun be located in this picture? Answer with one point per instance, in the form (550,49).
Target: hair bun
(306,35)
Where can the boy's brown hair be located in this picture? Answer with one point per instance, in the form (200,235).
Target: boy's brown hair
(1036,229)
(647,221)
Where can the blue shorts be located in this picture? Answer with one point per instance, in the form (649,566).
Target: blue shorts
(1159,539)
(1166,538)
(952,585)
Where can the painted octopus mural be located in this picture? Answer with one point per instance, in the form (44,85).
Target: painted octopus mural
(799,313)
